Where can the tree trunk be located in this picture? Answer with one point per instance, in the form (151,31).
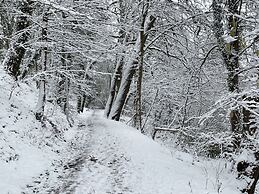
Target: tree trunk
(6,22)
(115,83)
(128,73)
(42,83)
(242,122)
(138,96)
(116,78)
(79,104)
(229,51)
(16,53)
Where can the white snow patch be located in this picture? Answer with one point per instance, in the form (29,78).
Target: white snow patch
(228,39)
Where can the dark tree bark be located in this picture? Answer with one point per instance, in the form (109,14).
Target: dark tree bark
(16,53)
(43,66)
(229,51)
(138,96)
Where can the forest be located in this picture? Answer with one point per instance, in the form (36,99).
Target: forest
(149,76)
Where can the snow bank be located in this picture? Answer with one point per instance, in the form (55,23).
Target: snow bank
(25,146)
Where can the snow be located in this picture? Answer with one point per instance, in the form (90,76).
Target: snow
(23,153)
(129,162)
(15,175)
(228,39)
(58,7)
(97,155)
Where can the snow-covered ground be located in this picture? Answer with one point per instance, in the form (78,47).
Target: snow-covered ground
(122,160)
(96,156)
(26,147)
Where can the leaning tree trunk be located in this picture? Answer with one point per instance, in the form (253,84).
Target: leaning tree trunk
(115,83)
(128,73)
(116,78)
(16,53)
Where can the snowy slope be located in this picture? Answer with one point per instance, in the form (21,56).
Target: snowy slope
(26,148)
(118,159)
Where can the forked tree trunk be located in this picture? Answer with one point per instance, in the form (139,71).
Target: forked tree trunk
(128,73)
(115,83)
(116,78)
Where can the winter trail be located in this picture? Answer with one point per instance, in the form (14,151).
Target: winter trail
(120,160)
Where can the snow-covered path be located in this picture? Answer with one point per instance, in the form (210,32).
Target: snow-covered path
(118,159)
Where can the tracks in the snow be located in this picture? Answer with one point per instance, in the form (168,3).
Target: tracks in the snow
(95,164)
(106,171)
